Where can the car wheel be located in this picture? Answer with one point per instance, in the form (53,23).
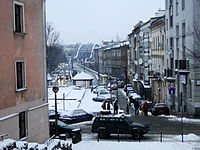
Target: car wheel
(67,135)
(136,135)
(103,134)
(167,113)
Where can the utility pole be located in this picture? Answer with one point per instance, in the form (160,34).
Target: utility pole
(55,90)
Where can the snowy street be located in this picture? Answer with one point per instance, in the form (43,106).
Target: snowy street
(83,99)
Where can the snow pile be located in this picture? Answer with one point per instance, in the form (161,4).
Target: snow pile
(22,145)
(112,145)
(188,138)
(184,119)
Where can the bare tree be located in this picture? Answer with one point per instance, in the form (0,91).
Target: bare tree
(54,48)
(193,51)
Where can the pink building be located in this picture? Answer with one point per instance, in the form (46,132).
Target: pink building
(23,103)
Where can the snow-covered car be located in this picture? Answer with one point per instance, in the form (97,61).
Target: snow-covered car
(133,97)
(113,87)
(126,86)
(75,116)
(107,94)
(99,98)
(97,89)
(121,84)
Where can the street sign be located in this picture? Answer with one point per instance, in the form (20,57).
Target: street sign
(55,89)
(171,91)
(171,85)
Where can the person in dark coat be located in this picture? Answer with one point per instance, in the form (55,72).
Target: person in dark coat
(131,100)
(127,109)
(103,105)
(108,105)
(136,106)
(116,107)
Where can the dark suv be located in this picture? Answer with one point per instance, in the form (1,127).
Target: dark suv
(106,125)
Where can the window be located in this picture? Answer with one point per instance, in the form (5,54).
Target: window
(166,4)
(20,75)
(183,29)
(163,42)
(183,47)
(177,48)
(177,31)
(18,9)
(171,43)
(183,4)
(183,41)
(176,7)
(166,24)
(22,125)
(171,13)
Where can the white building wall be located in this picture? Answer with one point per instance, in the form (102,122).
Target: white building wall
(191,96)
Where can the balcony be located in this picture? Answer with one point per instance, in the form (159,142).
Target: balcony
(182,66)
(169,75)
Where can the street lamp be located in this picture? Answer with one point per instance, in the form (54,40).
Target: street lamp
(55,90)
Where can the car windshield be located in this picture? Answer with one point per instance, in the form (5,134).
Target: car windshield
(104,92)
(161,105)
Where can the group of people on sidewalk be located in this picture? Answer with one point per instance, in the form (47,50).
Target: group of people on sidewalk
(143,107)
(137,107)
(106,106)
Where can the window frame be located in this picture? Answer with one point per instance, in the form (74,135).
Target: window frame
(177,7)
(18,89)
(183,4)
(23,125)
(22,21)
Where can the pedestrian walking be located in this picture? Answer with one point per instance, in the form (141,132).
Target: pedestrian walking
(131,99)
(127,109)
(145,108)
(136,106)
(116,107)
(108,105)
(92,89)
(104,105)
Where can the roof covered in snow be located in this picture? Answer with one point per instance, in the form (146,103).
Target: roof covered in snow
(82,76)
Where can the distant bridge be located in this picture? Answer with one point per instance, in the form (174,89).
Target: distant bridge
(85,52)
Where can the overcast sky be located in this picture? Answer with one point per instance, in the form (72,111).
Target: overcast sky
(91,21)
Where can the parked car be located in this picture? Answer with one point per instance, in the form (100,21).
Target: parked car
(75,116)
(133,97)
(106,125)
(107,94)
(121,84)
(52,114)
(159,109)
(126,86)
(99,98)
(98,89)
(113,87)
(63,128)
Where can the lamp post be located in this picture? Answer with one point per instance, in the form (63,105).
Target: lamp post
(55,90)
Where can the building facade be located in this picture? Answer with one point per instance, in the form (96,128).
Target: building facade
(157,30)
(181,51)
(139,56)
(114,60)
(23,103)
